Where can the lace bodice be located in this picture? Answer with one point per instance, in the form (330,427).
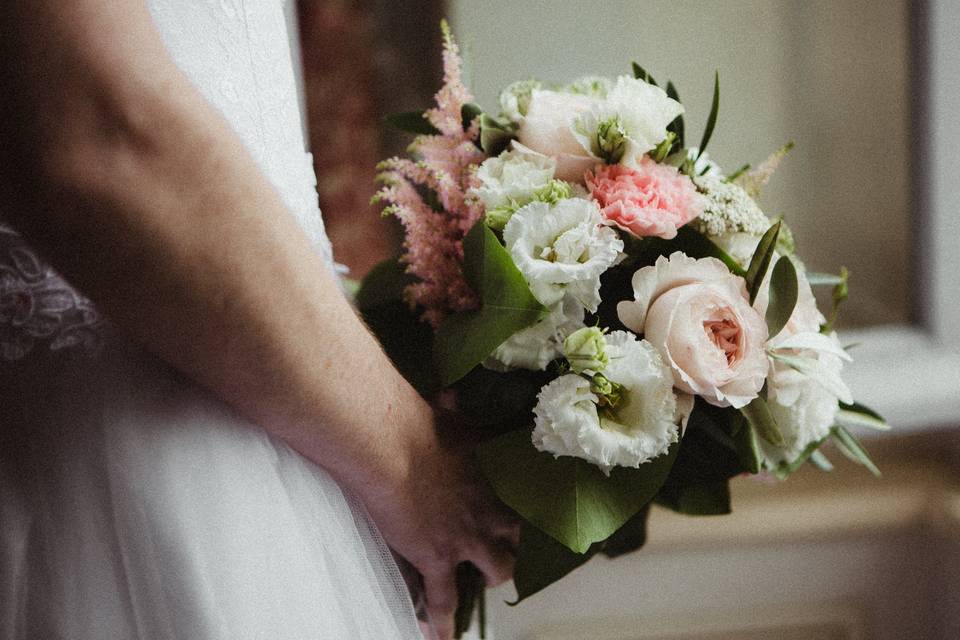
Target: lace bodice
(237,53)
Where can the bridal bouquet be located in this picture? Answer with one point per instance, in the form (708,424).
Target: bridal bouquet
(617,313)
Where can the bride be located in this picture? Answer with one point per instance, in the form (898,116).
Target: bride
(213,447)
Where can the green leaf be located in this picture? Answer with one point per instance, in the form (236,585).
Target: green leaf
(704,499)
(840,293)
(857,415)
(676,126)
(851,447)
(405,338)
(785,470)
(468,113)
(689,241)
(412,122)
(494,136)
(748,448)
(739,172)
(820,461)
(541,561)
(628,538)
(507,306)
(641,74)
(760,261)
(783,295)
(712,118)
(761,420)
(823,279)
(568,498)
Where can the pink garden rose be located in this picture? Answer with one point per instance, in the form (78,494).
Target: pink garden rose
(546,129)
(651,200)
(698,315)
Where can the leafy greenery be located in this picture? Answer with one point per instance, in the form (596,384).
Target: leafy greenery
(468,113)
(701,499)
(840,293)
(857,415)
(676,127)
(712,118)
(761,420)
(405,338)
(500,401)
(760,261)
(641,74)
(852,449)
(568,498)
(783,295)
(506,306)
(412,122)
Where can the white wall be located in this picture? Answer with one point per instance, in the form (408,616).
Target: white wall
(831,75)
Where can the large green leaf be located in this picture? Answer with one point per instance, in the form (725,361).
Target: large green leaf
(405,338)
(541,561)
(506,306)
(412,122)
(494,135)
(566,497)
(760,261)
(702,499)
(628,538)
(783,295)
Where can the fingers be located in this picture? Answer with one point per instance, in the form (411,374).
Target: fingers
(495,560)
(441,591)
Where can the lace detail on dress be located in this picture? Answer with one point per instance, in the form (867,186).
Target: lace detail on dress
(38,307)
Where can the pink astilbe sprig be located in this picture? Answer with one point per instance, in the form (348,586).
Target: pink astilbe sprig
(428,196)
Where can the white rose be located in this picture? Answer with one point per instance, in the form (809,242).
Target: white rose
(638,428)
(640,113)
(546,129)
(698,315)
(562,249)
(512,178)
(536,346)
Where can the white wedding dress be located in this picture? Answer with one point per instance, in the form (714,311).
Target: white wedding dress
(132,503)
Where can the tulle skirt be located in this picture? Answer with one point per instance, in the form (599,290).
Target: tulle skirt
(135,505)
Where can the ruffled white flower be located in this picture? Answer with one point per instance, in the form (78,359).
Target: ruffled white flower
(728,209)
(640,427)
(512,178)
(562,249)
(515,98)
(538,345)
(634,110)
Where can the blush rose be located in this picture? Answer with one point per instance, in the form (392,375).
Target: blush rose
(698,315)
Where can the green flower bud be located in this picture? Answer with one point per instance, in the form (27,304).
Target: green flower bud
(608,392)
(553,192)
(611,140)
(585,350)
(498,217)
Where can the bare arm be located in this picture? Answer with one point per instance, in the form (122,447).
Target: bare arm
(140,194)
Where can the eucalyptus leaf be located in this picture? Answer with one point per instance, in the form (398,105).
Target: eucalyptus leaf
(852,448)
(412,122)
(568,498)
(761,420)
(820,461)
(823,279)
(541,561)
(813,368)
(463,340)
(760,261)
(712,118)
(857,415)
(783,295)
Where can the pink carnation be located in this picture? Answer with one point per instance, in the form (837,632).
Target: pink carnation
(651,200)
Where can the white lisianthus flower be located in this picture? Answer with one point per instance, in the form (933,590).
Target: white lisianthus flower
(593,86)
(728,210)
(631,121)
(515,99)
(536,346)
(512,178)
(562,249)
(572,420)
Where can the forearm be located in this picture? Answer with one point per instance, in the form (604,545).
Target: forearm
(141,195)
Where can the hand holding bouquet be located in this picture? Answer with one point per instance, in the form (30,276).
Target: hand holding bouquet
(615,310)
